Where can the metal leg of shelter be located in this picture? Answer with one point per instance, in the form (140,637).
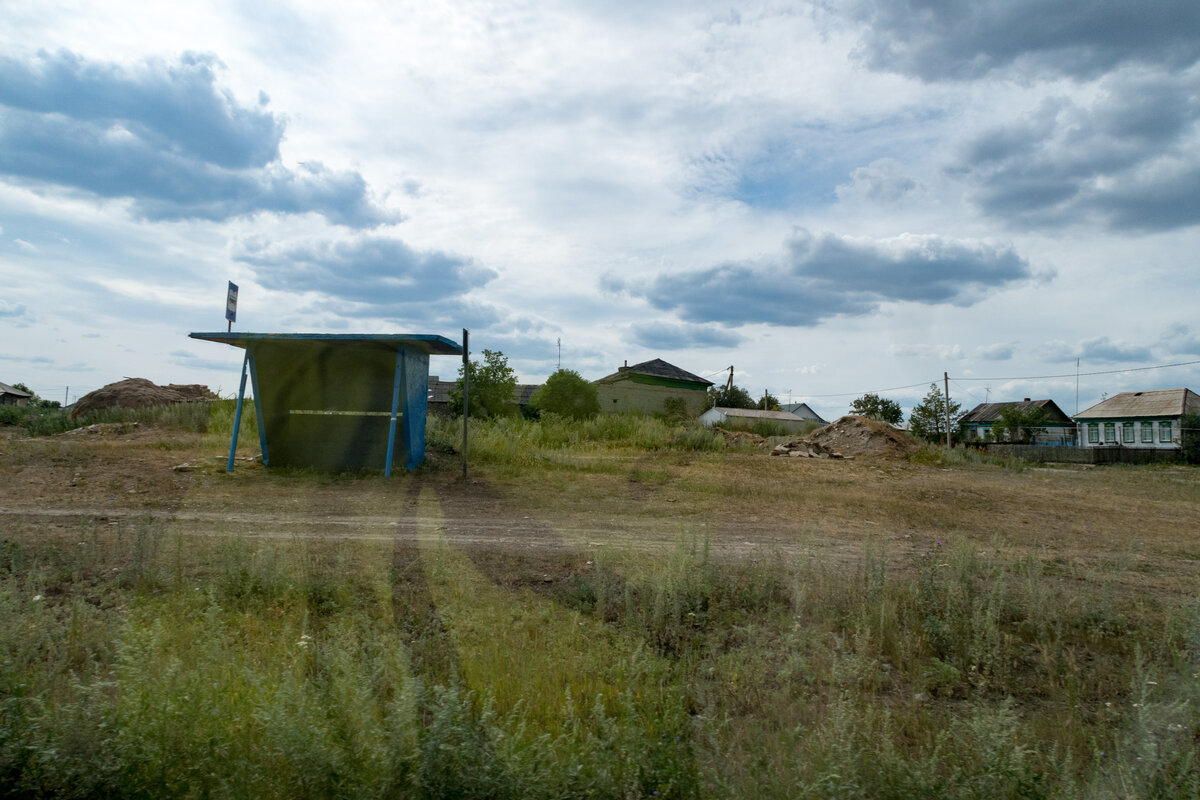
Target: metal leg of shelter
(387,469)
(258,414)
(237,414)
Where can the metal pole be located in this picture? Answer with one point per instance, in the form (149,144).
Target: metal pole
(237,414)
(387,468)
(258,408)
(946,378)
(466,394)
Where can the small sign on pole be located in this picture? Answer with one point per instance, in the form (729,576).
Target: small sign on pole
(231,304)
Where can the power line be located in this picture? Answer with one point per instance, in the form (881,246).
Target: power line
(1083,374)
(873,391)
(1011,378)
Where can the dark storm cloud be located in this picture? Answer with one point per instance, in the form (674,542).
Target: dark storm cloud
(822,276)
(963,39)
(1101,349)
(374,276)
(1129,160)
(668,336)
(164,136)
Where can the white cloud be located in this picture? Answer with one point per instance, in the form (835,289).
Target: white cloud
(619,176)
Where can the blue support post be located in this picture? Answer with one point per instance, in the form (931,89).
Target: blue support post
(258,414)
(237,414)
(387,470)
(416,392)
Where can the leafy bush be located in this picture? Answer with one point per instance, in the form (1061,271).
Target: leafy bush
(567,394)
(490,387)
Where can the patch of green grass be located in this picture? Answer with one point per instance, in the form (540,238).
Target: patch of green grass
(135,661)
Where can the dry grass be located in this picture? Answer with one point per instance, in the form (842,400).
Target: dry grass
(695,622)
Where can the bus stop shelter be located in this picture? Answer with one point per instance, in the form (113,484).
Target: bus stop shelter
(336,401)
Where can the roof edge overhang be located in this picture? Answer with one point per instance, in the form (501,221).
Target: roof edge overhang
(430,343)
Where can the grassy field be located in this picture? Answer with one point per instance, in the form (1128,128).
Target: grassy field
(618,608)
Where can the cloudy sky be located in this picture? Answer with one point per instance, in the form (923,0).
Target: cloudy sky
(835,198)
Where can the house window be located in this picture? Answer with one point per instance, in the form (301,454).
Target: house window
(1147,432)
(1126,433)
(1110,433)
(1164,431)
(1093,433)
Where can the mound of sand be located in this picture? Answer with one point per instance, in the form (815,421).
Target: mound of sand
(140,393)
(850,437)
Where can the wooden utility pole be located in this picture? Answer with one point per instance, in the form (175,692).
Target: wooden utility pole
(946,378)
(729,383)
(466,393)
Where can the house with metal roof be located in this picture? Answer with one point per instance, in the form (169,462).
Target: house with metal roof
(1143,420)
(747,417)
(985,422)
(803,411)
(646,386)
(12,396)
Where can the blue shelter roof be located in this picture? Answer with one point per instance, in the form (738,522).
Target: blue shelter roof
(429,343)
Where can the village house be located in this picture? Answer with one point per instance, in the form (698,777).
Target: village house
(647,386)
(12,396)
(439,395)
(803,411)
(1145,420)
(985,422)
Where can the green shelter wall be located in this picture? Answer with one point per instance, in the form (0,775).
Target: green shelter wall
(329,407)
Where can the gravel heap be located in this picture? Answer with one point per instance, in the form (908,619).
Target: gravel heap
(140,393)
(850,437)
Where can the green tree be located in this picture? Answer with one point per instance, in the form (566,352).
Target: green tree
(1021,424)
(1189,437)
(491,387)
(675,409)
(568,394)
(730,397)
(34,400)
(878,408)
(769,402)
(928,418)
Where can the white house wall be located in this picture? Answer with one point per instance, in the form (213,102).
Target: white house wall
(1161,439)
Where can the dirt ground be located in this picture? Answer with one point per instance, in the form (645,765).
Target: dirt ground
(1136,526)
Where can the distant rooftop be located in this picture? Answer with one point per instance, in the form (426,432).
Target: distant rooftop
(755,413)
(1158,403)
(659,369)
(986,413)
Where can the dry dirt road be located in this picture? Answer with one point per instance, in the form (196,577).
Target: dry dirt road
(1139,527)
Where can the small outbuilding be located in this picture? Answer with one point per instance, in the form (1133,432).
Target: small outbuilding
(337,401)
(647,386)
(1144,420)
(12,396)
(747,417)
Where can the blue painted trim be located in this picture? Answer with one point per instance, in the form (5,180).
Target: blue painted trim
(387,470)
(416,390)
(258,414)
(237,414)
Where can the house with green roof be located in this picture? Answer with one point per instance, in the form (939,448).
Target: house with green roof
(645,387)
(985,422)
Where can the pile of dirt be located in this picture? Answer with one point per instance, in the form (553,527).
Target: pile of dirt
(850,437)
(738,437)
(140,393)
